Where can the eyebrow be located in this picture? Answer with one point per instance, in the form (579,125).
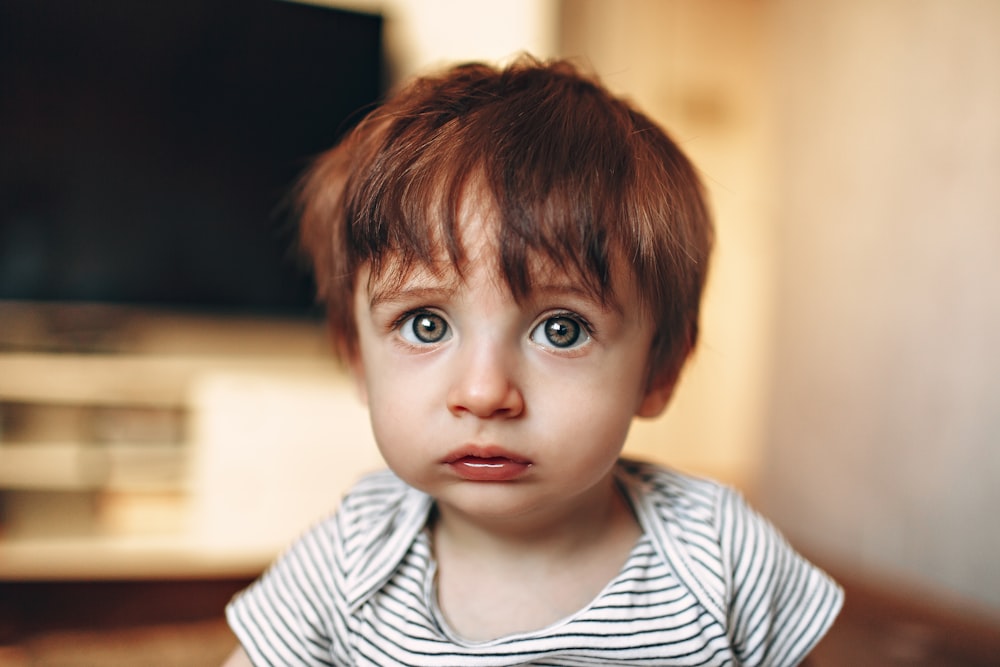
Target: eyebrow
(380,295)
(607,301)
(562,288)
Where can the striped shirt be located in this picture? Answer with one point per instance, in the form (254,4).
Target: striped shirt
(710,582)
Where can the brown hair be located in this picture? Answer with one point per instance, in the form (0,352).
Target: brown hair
(575,174)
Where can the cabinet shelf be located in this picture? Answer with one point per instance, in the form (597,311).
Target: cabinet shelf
(201,446)
(70,466)
(128,380)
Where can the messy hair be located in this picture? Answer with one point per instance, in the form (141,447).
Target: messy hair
(573,174)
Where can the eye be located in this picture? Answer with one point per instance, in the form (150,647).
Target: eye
(561,331)
(423,328)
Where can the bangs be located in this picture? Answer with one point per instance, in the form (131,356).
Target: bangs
(514,148)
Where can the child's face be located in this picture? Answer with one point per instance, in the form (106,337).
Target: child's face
(500,409)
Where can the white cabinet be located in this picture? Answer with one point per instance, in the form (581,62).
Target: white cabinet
(200,457)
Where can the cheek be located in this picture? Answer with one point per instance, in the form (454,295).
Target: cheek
(394,430)
(398,407)
(611,419)
(610,393)
(601,410)
(595,417)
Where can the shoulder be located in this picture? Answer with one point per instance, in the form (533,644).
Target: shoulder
(698,512)
(369,512)
(378,520)
(774,603)
(368,535)
(688,506)
(303,602)
(374,498)
(684,516)
(671,487)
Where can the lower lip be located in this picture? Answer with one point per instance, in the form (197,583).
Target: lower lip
(493,469)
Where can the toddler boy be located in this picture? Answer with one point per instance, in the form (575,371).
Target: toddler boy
(512,262)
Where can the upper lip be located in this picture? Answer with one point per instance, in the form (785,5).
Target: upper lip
(483,452)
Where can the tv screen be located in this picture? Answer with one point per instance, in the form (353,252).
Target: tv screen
(148,149)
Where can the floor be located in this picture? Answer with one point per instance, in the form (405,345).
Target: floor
(115,623)
(882,627)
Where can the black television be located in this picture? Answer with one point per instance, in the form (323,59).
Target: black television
(148,149)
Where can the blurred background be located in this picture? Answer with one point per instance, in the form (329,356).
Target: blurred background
(165,442)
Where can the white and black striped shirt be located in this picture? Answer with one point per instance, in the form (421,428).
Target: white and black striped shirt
(709,583)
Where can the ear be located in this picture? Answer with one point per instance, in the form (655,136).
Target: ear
(350,358)
(661,385)
(657,396)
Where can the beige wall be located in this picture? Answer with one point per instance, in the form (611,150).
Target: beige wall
(884,433)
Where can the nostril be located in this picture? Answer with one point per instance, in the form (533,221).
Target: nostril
(486,400)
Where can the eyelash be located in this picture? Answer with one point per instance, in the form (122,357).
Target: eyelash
(572,315)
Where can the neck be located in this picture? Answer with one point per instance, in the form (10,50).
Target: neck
(496,578)
(601,514)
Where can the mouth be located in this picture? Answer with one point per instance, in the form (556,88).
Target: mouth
(486,464)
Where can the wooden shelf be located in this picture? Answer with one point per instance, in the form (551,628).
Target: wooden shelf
(128,380)
(166,556)
(184,447)
(72,466)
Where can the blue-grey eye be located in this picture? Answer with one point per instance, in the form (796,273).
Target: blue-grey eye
(424,328)
(560,331)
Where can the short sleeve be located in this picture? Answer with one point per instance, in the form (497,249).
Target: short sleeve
(780,604)
(289,617)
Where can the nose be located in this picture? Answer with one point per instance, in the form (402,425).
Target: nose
(485,384)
